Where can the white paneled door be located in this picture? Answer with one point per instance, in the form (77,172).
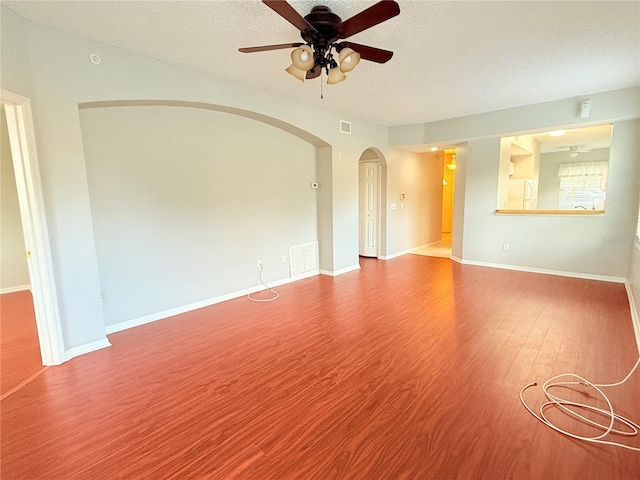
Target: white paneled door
(369,173)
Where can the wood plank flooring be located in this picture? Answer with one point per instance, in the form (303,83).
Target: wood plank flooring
(406,369)
(19,349)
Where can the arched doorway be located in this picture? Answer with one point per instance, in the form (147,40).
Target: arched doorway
(371,174)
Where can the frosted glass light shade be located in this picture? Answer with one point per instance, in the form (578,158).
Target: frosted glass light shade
(335,76)
(452,165)
(302,58)
(348,59)
(296,72)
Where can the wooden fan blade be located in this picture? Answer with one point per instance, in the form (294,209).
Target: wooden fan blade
(373,15)
(314,72)
(372,54)
(286,11)
(264,48)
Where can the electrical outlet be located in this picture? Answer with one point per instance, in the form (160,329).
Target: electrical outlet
(103,297)
(284,259)
(505,246)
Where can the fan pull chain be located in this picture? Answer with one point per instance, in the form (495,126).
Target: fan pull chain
(321,82)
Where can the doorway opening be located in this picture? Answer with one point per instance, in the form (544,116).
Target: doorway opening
(449,166)
(442,247)
(21,136)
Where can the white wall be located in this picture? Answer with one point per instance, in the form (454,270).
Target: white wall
(14,273)
(185,200)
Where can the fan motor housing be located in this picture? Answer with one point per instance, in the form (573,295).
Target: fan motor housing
(326,23)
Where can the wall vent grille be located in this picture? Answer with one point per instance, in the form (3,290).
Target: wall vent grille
(303,259)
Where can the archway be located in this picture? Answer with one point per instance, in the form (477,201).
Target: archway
(372,180)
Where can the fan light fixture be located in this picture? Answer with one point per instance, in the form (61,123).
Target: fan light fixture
(296,72)
(321,31)
(349,59)
(452,165)
(303,59)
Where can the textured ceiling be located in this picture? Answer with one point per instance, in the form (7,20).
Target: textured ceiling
(452,58)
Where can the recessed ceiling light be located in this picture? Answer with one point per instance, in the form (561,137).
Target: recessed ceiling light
(434,149)
(557,133)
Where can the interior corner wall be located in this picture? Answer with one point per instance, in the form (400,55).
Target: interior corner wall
(184,202)
(416,220)
(14,273)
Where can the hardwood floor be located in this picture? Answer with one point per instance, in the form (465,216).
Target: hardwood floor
(408,368)
(20,353)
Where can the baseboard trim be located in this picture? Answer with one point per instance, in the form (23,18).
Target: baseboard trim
(18,288)
(86,348)
(395,255)
(560,273)
(456,259)
(136,322)
(634,312)
(302,276)
(335,273)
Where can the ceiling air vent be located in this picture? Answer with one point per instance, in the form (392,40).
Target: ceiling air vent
(345,127)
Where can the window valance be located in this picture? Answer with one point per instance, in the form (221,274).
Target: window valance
(583,168)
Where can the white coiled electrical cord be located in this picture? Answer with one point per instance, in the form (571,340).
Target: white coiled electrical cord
(259,279)
(564,404)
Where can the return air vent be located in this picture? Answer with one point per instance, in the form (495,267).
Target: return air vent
(304,259)
(345,127)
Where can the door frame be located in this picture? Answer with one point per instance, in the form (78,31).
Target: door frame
(378,203)
(34,225)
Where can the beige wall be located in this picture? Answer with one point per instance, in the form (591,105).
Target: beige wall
(14,273)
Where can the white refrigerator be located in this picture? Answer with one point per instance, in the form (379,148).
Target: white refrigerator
(521,194)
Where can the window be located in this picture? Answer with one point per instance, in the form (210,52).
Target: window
(583,185)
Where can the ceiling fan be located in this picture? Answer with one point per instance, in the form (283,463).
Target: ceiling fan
(575,150)
(321,29)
